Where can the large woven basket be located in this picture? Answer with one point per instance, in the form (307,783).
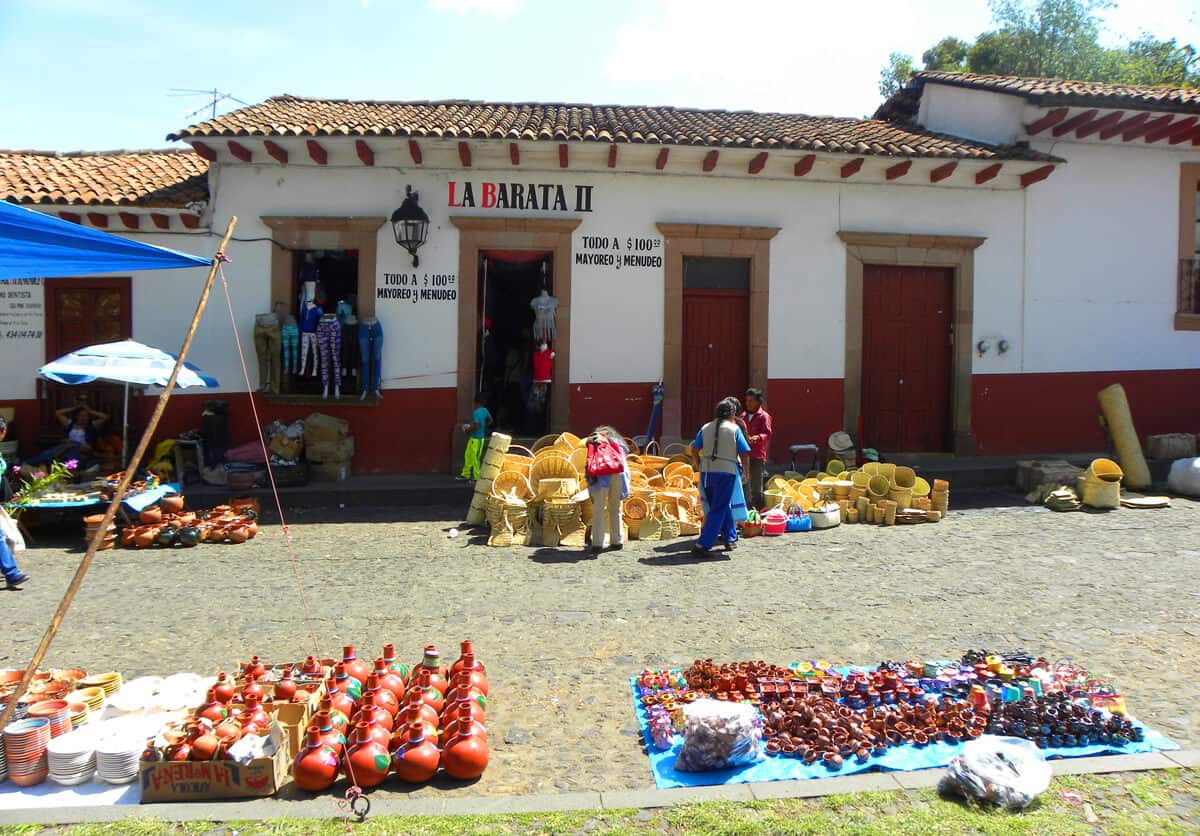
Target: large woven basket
(550,466)
(654,461)
(512,482)
(567,443)
(544,442)
(578,458)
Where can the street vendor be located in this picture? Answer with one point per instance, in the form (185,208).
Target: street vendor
(758,434)
(10,536)
(719,453)
(82,424)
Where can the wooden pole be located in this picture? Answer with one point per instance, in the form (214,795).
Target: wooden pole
(119,495)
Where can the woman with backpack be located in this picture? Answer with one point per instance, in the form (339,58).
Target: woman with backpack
(608,485)
(719,453)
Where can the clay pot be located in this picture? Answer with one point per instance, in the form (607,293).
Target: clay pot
(367,761)
(375,715)
(342,701)
(354,666)
(172,504)
(467,649)
(166,536)
(151,516)
(285,688)
(431,695)
(432,661)
(205,747)
(189,536)
(144,537)
(381,696)
(251,689)
(228,731)
(415,706)
(330,736)
(243,503)
(394,664)
(478,680)
(185,518)
(389,679)
(340,721)
(316,766)
(213,709)
(238,534)
(255,714)
(464,717)
(352,686)
(466,756)
(416,760)
(128,533)
(224,689)
(463,688)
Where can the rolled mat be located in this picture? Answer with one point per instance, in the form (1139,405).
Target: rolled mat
(1115,407)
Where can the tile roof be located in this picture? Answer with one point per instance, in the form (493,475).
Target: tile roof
(169,178)
(288,116)
(1057,92)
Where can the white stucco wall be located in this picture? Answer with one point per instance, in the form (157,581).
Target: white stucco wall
(975,114)
(1102,259)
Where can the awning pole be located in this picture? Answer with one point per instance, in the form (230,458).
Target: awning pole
(125,429)
(119,494)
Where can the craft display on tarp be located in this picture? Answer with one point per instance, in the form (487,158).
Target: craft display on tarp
(816,719)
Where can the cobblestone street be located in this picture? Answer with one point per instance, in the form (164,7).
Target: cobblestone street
(560,632)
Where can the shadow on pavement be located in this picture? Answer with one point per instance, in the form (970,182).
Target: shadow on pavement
(680,554)
(546,556)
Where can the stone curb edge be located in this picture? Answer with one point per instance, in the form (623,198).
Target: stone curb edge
(323,808)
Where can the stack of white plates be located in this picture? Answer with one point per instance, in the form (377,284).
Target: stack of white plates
(72,758)
(117,760)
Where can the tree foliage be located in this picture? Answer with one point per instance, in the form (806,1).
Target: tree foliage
(1052,39)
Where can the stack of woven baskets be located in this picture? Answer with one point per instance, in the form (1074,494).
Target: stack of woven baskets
(538,495)
(881,493)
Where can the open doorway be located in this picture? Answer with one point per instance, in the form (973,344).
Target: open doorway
(509,280)
(335,291)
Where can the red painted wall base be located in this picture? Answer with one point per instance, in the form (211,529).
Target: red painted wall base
(625,406)
(1058,413)
(803,411)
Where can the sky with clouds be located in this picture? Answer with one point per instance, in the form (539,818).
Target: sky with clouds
(102,74)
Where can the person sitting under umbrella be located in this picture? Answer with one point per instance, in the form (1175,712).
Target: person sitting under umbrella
(82,424)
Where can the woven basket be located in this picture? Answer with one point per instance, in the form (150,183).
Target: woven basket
(635,508)
(552,466)
(510,482)
(578,458)
(637,479)
(567,443)
(676,449)
(561,512)
(681,483)
(678,469)
(544,442)
(516,460)
(654,461)
(656,480)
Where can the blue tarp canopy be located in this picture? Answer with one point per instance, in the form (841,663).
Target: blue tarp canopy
(34,245)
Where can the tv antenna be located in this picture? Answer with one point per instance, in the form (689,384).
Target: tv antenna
(214,95)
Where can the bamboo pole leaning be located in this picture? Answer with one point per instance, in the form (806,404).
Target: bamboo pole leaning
(122,486)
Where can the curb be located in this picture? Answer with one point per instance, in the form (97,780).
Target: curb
(321,808)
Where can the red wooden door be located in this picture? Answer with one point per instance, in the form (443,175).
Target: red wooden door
(906,359)
(716,351)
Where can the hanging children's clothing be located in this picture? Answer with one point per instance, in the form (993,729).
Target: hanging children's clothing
(544,307)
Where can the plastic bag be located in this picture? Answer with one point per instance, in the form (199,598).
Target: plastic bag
(1007,771)
(719,735)
(1184,477)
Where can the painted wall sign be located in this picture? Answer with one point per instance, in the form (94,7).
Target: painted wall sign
(417,288)
(22,310)
(543,197)
(630,251)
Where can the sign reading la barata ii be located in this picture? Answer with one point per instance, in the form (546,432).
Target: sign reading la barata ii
(543,197)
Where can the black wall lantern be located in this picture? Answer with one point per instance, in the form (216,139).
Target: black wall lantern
(410,224)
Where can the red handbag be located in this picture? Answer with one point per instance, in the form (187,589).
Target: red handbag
(605,458)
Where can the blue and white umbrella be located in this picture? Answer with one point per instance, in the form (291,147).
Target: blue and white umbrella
(127,362)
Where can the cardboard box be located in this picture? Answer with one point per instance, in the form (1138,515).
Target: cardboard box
(211,780)
(324,428)
(341,450)
(330,471)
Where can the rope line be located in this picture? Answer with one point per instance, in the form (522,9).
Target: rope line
(287,532)
(354,793)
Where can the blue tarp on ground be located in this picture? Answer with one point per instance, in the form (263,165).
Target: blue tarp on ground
(34,245)
(898,758)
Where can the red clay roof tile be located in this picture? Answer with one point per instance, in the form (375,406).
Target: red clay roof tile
(164,179)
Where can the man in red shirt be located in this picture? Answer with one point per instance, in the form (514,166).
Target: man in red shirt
(758,434)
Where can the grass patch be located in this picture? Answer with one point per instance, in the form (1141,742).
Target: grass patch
(1159,802)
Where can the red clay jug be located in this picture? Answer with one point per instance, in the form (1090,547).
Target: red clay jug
(390,679)
(316,766)
(367,761)
(377,694)
(255,714)
(438,672)
(285,688)
(342,701)
(424,686)
(353,687)
(464,688)
(356,667)
(471,667)
(213,709)
(224,689)
(415,706)
(256,667)
(464,716)
(467,649)
(330,736)
(311,669)
(251,688)
(466,755)
(416,760)
(375,714)
(394,664)
(340,720)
